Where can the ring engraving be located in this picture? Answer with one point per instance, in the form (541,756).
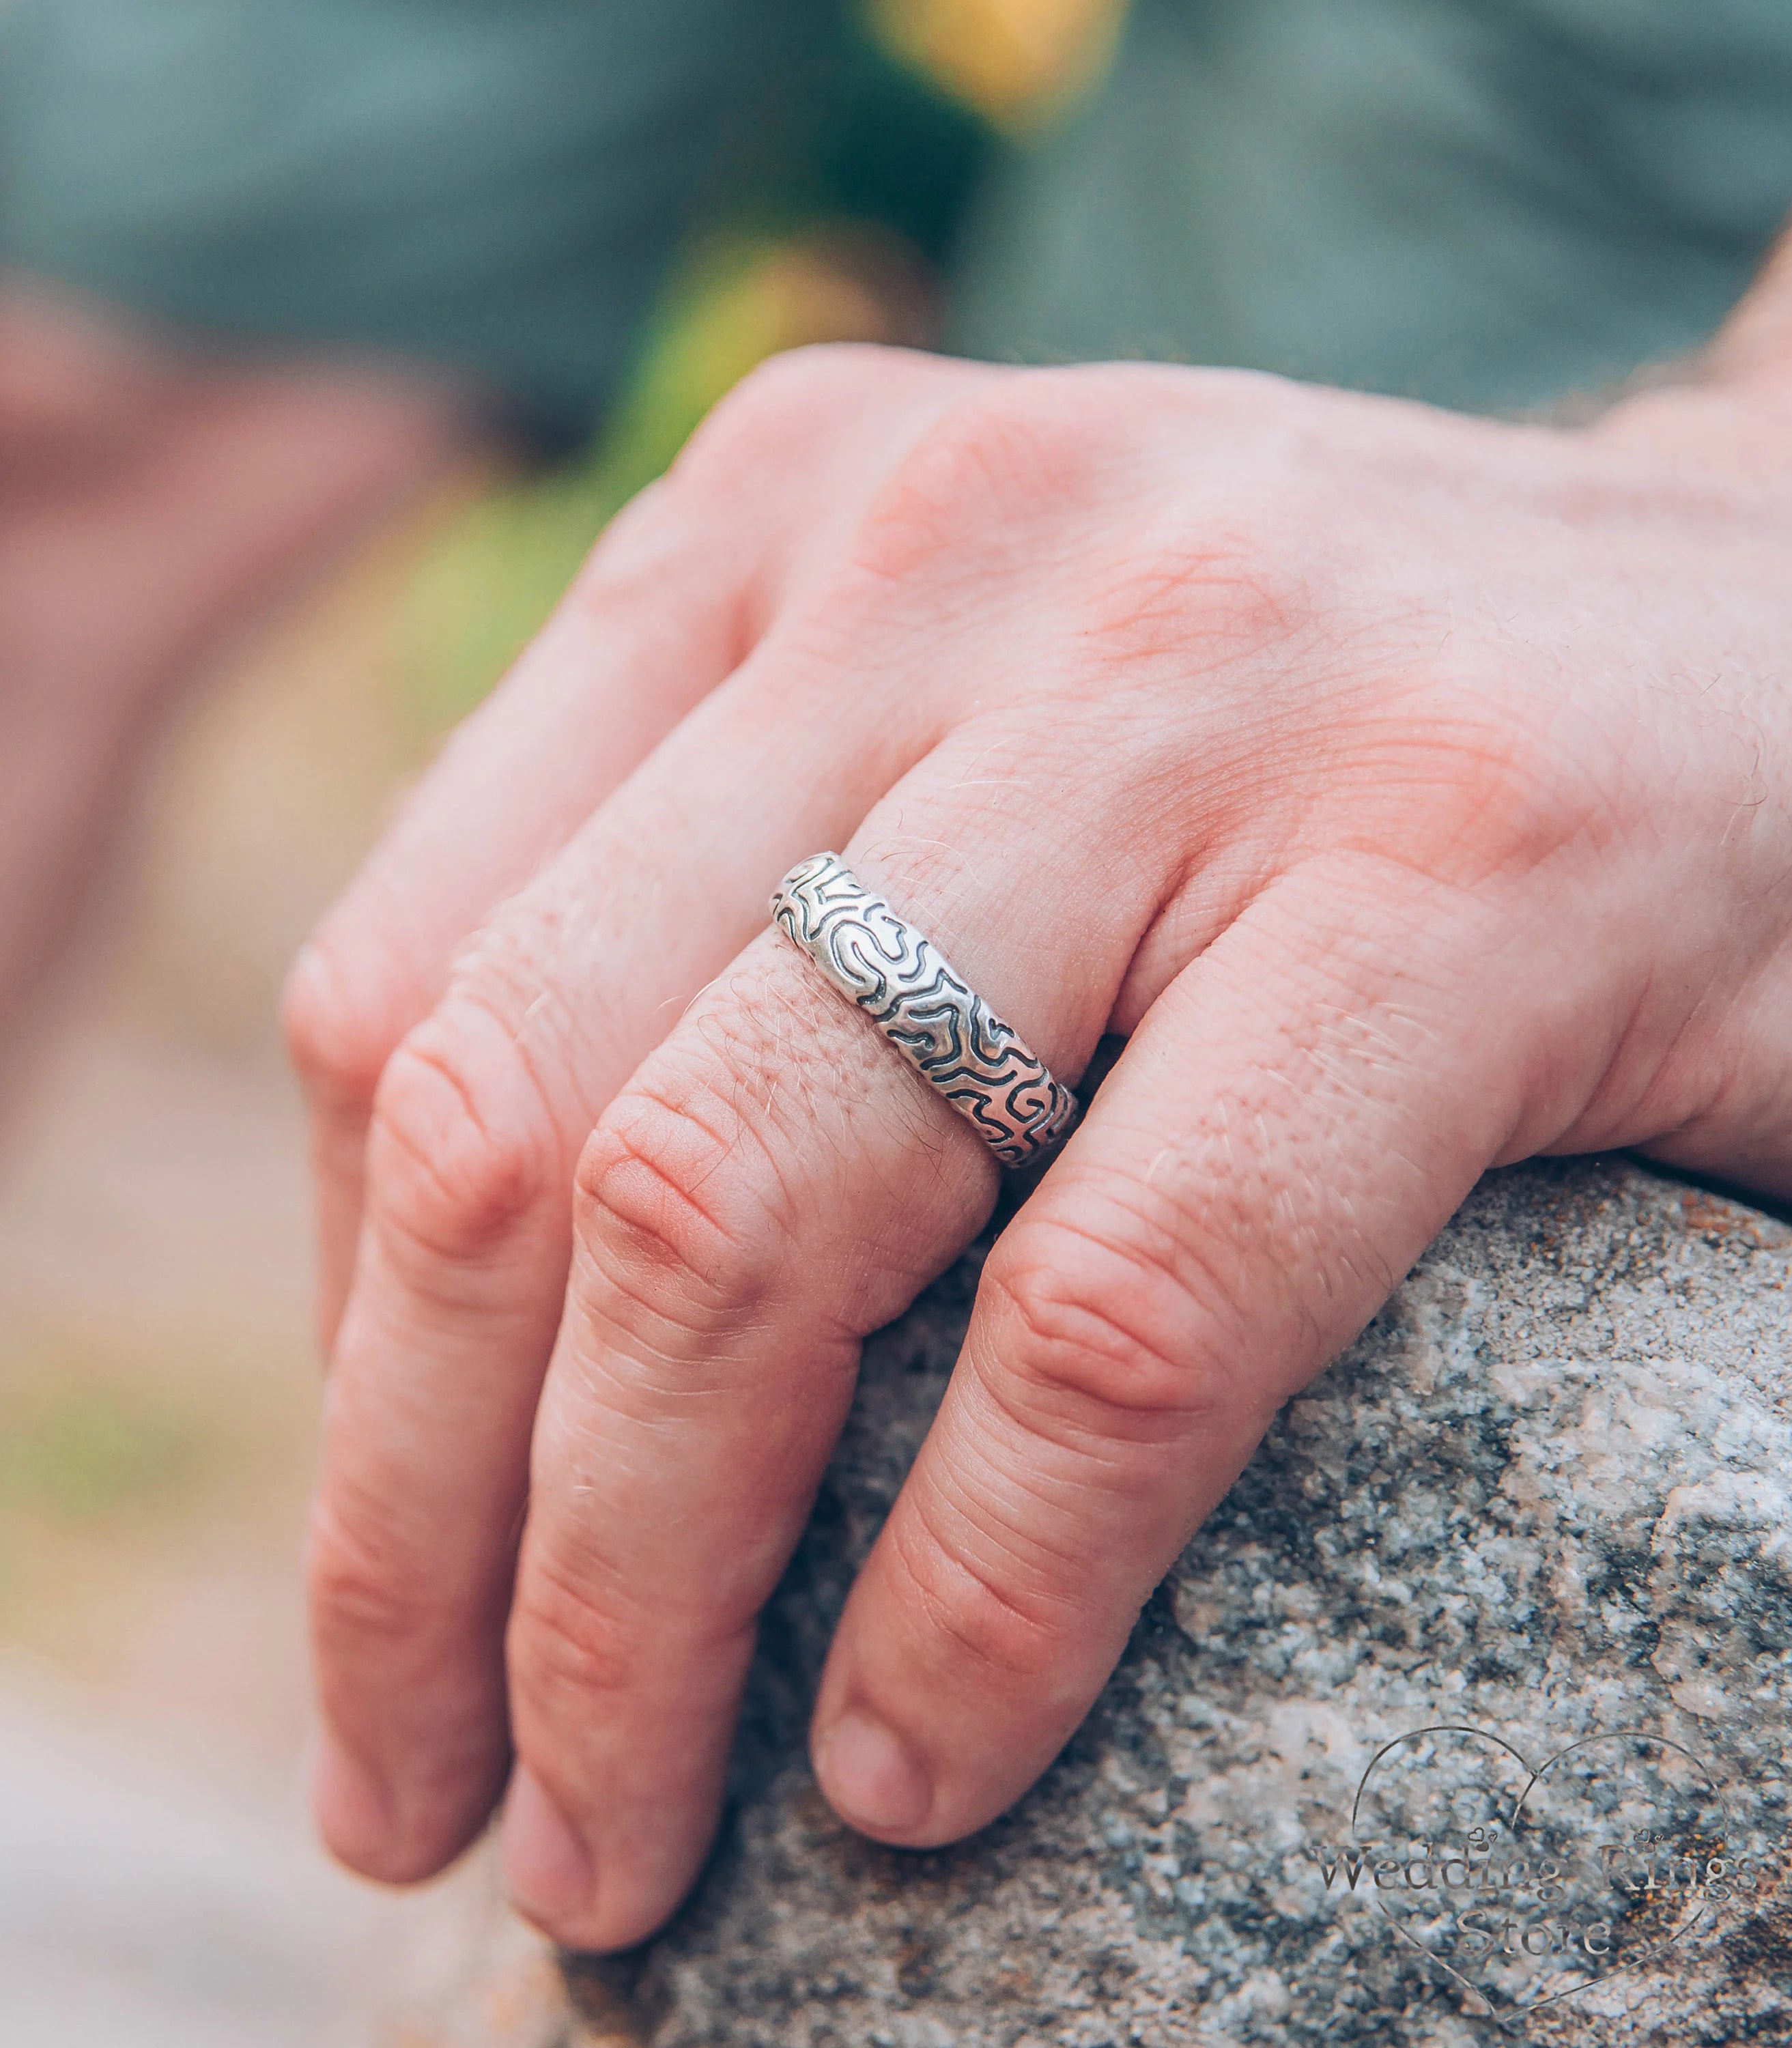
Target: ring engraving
(932,1017)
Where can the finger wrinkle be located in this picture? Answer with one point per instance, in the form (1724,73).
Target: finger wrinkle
(338,1041)
(441,1271)
(620,1311)
(640,1210)
(487,1177)
(1068,1415)
(606,1626)
(659,1387)
(504,978)
(997,1627)
(680,1107)
(1028,1511)
(1181,1275)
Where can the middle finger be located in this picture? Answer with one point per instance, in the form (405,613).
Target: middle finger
(461,1271)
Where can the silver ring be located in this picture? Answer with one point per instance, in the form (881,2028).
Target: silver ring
(940,1025)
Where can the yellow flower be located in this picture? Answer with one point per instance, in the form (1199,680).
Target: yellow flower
(1016,61)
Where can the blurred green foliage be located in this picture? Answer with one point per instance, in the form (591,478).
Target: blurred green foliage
(870,147)
(80,1448)
(490,584)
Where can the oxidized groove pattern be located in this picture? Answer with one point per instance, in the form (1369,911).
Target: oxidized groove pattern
(945,1030)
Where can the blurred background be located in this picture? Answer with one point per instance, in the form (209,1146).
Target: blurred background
(331,332)
(158,1885)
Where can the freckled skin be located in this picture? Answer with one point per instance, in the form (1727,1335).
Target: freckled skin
(1416,792)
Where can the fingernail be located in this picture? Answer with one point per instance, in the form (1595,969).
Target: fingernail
(870,1776)
(547,1867)
(355,1812)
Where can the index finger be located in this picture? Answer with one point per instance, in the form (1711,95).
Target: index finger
(603,682)
(669,604)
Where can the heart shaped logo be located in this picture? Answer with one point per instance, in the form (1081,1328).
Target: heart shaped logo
(1527,1884)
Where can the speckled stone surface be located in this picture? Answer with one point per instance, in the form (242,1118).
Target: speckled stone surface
(1544,1499)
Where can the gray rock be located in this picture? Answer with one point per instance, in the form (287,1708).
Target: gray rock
(1542,1502)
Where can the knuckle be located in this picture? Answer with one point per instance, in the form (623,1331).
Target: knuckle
(678,1209)
(1274,543)
(790,422)
(797,393)
(1012,449)
(668,543)
(1487,796)
(460,1149)
(979,1604)
(569,1644)
(365,1584)
(1228,578)
(1232,583)
(1511,795)
(644,540)
(339,1026)
(1098,1334)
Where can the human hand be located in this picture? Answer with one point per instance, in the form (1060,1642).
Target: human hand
(1412,792)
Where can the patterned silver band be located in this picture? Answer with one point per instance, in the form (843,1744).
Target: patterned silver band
(945,1031)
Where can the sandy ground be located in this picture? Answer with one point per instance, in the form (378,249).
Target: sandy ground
(157,1389)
